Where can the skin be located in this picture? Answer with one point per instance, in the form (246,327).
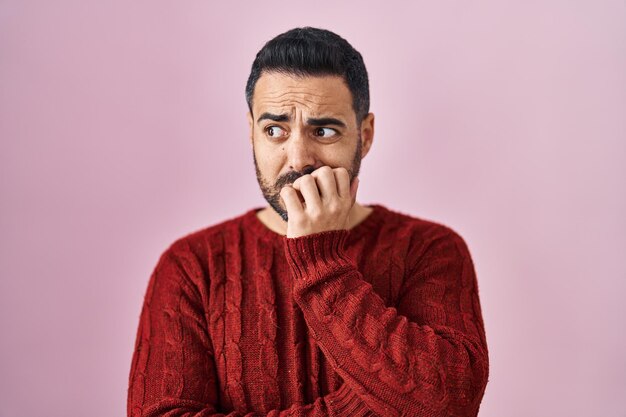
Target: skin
(308,173)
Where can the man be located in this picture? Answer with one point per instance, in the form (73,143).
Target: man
(315,305)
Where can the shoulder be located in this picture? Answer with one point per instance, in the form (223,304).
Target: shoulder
(190,253)
(435,251)
(418,227)
(421,234)
(207,237)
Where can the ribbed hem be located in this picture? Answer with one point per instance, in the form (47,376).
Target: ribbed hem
(313,257)
(345,402)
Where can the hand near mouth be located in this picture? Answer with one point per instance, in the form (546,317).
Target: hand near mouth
(319,201)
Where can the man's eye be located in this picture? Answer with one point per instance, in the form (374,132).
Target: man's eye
(273,131)
(330,132)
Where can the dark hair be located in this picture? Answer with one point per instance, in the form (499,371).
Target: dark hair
(312,51)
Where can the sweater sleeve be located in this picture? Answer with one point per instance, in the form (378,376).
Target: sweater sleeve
(426,356)
(173,371)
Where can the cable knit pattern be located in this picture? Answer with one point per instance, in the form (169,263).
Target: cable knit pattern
(380,320)
(232,337)
(267,325)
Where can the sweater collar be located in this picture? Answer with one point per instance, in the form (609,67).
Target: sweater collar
(369,223)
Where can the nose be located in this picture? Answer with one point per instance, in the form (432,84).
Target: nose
(301,154)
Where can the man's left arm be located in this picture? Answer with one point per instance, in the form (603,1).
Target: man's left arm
(425,357)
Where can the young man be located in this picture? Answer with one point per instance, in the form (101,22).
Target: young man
(315,305)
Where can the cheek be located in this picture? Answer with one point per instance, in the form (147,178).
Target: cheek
(269,161)
(336,157)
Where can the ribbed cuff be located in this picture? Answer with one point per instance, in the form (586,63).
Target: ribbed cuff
(345,402)
(313,257)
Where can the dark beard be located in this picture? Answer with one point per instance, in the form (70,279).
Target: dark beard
(272,193)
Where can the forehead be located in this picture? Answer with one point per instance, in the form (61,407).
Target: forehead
(314,94)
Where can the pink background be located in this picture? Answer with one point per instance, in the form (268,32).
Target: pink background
(122,127)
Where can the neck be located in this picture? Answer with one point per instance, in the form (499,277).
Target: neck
(274,222)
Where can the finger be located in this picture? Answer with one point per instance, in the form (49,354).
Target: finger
(291,200)
(296,186)
(325,179)
(308,188)
(342,178)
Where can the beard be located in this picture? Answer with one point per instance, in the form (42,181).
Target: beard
(271,192)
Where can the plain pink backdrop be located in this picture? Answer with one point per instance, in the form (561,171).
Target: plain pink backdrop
(122,127)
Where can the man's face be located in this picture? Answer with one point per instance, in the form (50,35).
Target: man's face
(299,124)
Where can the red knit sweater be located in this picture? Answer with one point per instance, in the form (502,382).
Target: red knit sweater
(383,319)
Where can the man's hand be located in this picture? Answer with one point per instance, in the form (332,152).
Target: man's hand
(328,198)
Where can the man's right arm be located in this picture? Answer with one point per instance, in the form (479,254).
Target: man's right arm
(173,371)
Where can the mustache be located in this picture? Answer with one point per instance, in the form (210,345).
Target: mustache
(291,176)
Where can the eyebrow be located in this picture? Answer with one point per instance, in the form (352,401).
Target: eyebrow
(322,121)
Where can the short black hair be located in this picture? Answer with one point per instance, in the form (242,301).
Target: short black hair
(313,51)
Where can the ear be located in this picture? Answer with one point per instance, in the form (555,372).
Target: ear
(250,126)
(367,134)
